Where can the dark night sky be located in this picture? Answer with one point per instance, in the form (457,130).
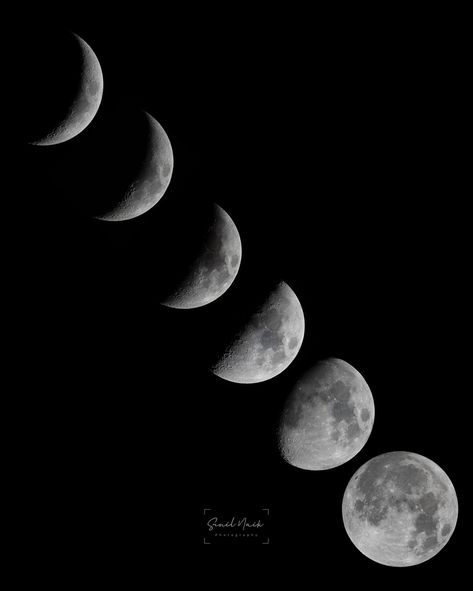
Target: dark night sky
(337,152)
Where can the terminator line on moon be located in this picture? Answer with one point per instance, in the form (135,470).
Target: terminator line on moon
(269,341)
(327,417)
(85,104)
(400,509)
(214,267)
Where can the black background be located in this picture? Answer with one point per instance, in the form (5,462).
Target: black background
(335,143)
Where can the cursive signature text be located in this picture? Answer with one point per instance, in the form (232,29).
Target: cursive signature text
(242,523)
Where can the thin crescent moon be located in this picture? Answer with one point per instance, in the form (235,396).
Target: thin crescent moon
(151,182)
(85,104)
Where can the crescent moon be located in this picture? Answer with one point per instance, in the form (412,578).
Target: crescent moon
(151,181)
(214,267)
(268,343)
(84,105)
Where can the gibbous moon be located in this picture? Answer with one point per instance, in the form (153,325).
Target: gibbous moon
(152,177)
(71,80)
(213,267)
(268,342)
(400,509)
(327,418)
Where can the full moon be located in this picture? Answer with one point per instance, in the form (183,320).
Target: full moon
(400,509)
(63,84)
(268,342)
(213,267)
(327,418)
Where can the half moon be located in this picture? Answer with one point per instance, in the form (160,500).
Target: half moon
(268,342)
(213,268)
(84,105)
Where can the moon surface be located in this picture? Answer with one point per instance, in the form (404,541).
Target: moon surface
(400,509)
(213,268)
(151,180)
(268,342)
(83,107)
(327,417)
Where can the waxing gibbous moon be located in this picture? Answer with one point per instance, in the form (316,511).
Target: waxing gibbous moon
(213,267)
(63,84)
(327,417)
(268,342)
(400,509)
